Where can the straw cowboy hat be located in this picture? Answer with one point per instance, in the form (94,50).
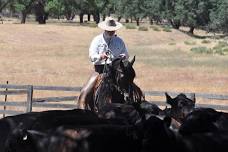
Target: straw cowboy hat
(110,24)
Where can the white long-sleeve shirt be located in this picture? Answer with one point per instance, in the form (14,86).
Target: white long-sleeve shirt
(99,45)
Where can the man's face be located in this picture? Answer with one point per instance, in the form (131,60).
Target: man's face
(110,33)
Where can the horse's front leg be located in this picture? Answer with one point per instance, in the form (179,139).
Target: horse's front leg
(86,95)
(81,102)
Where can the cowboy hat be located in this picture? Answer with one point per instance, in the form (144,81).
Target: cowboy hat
(110,24)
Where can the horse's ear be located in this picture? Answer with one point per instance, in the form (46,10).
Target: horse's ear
(132,61)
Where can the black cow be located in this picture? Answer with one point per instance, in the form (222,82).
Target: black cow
(91,138)
(64,140)
(50,120)
(150,108)
(55,118)
(43,121)
(22,140)
(204,120)
(8,124)
(130,113)
(180,106)
(158,137)
(125,113)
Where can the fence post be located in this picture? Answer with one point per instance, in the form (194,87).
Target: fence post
(7,82)
(29,98)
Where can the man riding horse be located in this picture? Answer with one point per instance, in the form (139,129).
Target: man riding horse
(113,78)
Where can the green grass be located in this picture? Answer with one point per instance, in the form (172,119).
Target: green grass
(202,50)
(177,59)
(143,28)
(206,41)
(130,26)
(172,43)
(221,45)
(167,28)
(225,50)
(155,28)
(221,48)
(190,42)
(89,24)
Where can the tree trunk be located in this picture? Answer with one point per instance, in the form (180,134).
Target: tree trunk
(41,15)
(137,21)
(89,17)
(127,20)
(72,17)
(109,12)
(151,21)
(119,18)
(24,15)
(41,19)
(176,24)
(191,31)
(104,16)
(68,16)
(81,17)
(96,17)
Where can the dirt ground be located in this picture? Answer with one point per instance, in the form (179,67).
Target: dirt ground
(57,55)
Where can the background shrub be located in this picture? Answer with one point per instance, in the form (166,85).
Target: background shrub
(130,26)
(202,50)
(143,28)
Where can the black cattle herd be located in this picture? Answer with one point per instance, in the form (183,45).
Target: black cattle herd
(130,127)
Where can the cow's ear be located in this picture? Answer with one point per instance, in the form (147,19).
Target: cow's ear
(169,100)
(193,97)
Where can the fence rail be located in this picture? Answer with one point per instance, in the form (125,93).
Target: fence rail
(31,102)
(198,95)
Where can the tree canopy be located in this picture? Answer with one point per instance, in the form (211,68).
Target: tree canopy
(206,14)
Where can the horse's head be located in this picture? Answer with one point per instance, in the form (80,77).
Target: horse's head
(122,72)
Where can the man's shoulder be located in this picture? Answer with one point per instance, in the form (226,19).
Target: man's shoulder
(100,36)
(117,38)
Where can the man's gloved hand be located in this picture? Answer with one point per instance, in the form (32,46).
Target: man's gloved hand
(104,55)
(123,56)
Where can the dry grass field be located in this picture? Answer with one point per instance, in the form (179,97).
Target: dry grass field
(57,55)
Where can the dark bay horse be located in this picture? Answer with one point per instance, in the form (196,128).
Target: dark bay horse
(114,86)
